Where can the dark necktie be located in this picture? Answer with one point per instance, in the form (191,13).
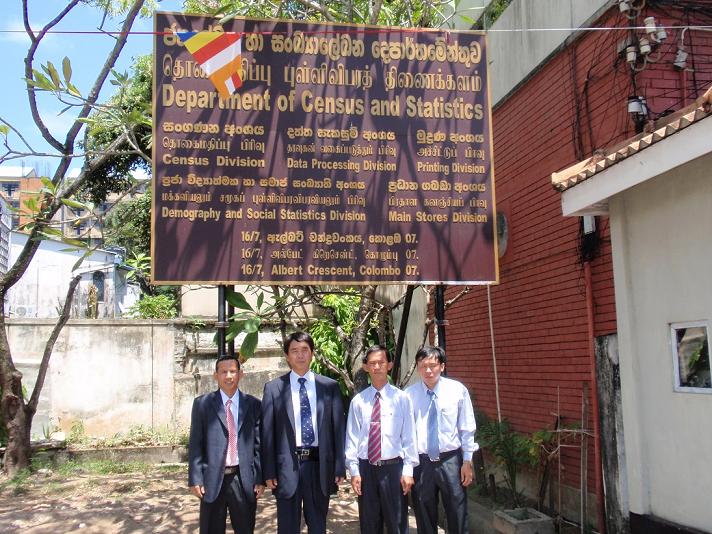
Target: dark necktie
(433,445)
(374,432)
(305,413)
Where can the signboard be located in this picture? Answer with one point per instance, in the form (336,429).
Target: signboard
(347,155)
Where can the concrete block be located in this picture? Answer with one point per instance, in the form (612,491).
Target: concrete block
(522,521)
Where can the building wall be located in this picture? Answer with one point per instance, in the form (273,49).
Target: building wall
(42,289)
(660,233)
(567,108)
(516,47)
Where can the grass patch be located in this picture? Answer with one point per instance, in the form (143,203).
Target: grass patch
(19,484)
(136,436)
(101,467)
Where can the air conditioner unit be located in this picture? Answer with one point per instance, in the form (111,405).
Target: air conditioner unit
(22,310)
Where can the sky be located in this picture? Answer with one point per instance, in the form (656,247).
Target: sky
(86,53)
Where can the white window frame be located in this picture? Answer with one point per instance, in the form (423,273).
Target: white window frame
(676,360)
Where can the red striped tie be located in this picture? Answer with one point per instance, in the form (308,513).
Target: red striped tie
(231,458)
(374,432)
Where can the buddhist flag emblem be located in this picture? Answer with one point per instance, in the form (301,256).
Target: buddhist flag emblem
(219,55)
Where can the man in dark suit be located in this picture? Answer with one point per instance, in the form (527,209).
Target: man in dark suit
(302,440)
(224,453)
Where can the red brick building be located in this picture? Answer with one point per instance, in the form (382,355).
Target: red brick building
(555,301)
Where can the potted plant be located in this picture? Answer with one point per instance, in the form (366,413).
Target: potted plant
(512,451)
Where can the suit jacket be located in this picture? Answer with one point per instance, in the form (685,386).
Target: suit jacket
(279,458)
(207,445)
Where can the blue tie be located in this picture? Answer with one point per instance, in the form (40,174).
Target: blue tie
(433,446)
(305,412)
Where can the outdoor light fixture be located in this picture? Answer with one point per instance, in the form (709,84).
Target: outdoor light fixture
(644,106)
(638,111)
(650,26)
(644,45)
(661,34)
(635,106)
(631,54)
(680,59)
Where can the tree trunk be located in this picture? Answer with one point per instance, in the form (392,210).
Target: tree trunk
(356,348)
(17,423)
(12,406)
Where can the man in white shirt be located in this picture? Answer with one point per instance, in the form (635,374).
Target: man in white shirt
(380,448)
(302,440)
(445,427)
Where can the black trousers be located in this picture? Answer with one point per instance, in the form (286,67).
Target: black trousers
(231,497)
(440,479)
(382,501)
(308,497)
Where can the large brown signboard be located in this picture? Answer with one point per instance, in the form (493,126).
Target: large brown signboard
(348,154)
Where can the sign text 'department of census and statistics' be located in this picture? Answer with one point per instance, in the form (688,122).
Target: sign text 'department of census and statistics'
(348,154)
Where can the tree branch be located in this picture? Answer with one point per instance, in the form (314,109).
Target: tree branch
(377,5)
(29,60)
(104,73)
(316,7)
(49,346)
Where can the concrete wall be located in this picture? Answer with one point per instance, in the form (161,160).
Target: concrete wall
(116,374)
(660,232)
(517,46)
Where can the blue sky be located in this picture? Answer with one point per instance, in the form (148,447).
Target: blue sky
(86,52)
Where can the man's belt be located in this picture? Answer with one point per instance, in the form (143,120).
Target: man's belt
(443,456)
(306,454)
(231,470)
(390,461)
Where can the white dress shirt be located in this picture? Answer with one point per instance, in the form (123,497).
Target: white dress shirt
(397,428)
(310,385)
(234,410)
(456,419)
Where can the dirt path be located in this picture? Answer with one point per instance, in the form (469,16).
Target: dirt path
(153,501)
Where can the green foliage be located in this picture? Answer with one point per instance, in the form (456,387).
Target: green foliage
(491,14)
(115,8)
(18,484)
(415,13)
(246,320)
(153,307)
(128,225)
(510,449)
(327,342)
(130,106)
(332,333)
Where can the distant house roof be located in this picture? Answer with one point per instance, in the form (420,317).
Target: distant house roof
(663,129)
(9,171)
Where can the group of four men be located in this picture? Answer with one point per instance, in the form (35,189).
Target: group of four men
(297,443)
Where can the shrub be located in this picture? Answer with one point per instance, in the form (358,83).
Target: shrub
(153,307)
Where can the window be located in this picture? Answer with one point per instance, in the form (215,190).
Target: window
(691,356)
(97,279)
(9,188)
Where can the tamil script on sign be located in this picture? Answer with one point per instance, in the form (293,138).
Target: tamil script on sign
(332,154)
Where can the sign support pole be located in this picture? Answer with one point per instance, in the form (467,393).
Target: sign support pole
(395,373)
(221,325)
(230,313)
(440,315)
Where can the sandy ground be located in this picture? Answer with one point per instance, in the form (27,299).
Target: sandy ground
(154,501)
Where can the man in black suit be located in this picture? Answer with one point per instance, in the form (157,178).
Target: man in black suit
(302,440)
(224,469)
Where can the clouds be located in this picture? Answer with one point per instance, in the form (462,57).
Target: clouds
(13,32)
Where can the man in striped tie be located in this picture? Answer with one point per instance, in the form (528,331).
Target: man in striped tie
(224,469)
(380,448)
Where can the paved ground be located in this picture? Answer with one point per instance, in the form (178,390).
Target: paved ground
(146,502)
